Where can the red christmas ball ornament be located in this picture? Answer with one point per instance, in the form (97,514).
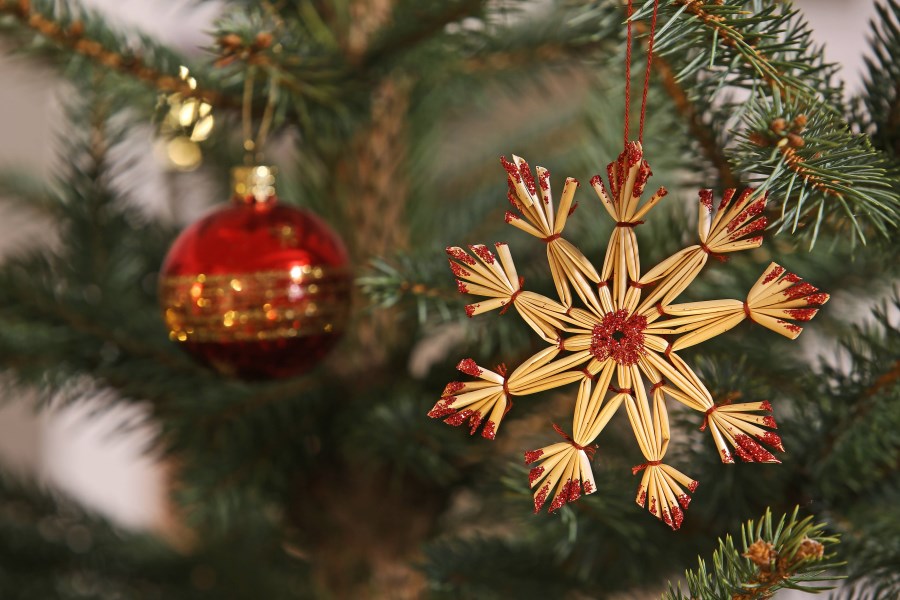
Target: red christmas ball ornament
(256,289)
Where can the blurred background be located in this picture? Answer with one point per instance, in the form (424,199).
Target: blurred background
(70,448)
(85,454)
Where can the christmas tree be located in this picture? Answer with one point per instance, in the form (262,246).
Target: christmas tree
(295,427)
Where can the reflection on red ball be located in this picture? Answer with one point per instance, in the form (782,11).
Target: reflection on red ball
(256,289)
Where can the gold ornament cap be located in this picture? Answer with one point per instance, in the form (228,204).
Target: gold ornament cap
(254,184)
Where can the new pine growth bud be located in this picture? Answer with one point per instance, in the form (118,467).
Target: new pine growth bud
(799,123)
(778,125)
(76,29)
(761,554)
(263,40)
(231,41)
(810,550)
(795,140)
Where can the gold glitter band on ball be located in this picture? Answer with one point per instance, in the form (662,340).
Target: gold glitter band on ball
(269,305)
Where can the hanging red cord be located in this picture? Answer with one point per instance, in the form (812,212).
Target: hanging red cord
(628,71)
(647,72)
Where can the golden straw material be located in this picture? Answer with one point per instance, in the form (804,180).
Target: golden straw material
(621,345)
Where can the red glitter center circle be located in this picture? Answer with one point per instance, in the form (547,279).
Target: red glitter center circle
(619,337)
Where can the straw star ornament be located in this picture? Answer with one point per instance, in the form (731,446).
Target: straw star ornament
(621,346)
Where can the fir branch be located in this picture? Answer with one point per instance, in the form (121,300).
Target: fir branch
(51,548)
(387,285)
(68,317)
(791,554)
(308,67)
(770,43)
(882,96)
(493,568)
(405,36)
(75,31)
(809,160)
(702,131)
(29,190)
(858,412)
(767,49)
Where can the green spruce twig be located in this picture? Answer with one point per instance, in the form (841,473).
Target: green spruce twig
(882,95)
(747,64)
(793,554)
(61,30)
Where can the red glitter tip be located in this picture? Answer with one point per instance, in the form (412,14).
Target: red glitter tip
(640,181)
(470,310)
(575,491)
(612,175)
(453,387)
(727,458)
(460,255)
(468,366)
(511,196)
(474,422)
(677,518)
(793,328)
(461,287)
(561,497)
(772,439)
(534,474)
(726,197)
(757,225)
(527,177)
(588,487)
(750,451)
(490,430)
(706,199)
(483,253)
(510,217)
(800,290)
(743,454)
(745,215)
(766,405)
(693,486)
(744,194)
(541,497)
(653,506)
(632,152)
(817,298)
(792,277)
(543,180)
(442,408)
(642,497)
(511,169)
(459,418)
(457,270)
(533,455)
(684,500)
(774,274)
(595,180)
(770,422)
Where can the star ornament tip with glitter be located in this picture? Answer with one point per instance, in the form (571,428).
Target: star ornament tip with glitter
(621,345)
